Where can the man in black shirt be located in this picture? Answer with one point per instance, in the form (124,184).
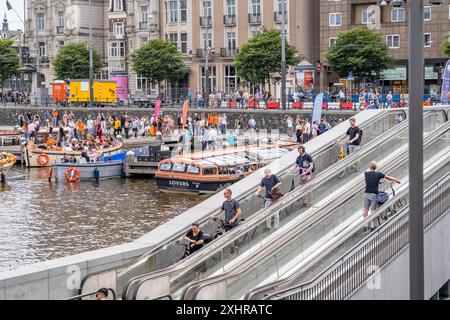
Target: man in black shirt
(373,178)
(195,237)
(354,133)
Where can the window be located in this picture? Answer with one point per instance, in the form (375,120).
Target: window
(172,11)
(173,37)
(118,29)
(231,39)
(280,7)
(398,15)
(117,49)
(254,33)
(193,169)
(332,42)
(142,84)
(41,49)
(427,13)
(209,171)
(427,40)
(40,21)
(212,78)
(165,166)
(61,19)
(207,8)
(183,10)
(231,79)
(335,19)
(207,40)
(256,7)
(61,43)
(118,5)
(231,8)
(393,41)
(179,167)
(183,42)
(144,14)
(144,40)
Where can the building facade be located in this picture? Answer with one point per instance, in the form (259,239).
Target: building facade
(392,24)
(120,26)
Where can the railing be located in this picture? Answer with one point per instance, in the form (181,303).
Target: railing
(278,17)
(59,30)
(254,18)
(143,25)
(228,52)
(350,272)
(229,21)
(201,53)
(114,296)
(206,22)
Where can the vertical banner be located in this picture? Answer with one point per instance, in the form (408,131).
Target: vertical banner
(318,105)
(157,106)
(185,112)
(445,90)
(122,86)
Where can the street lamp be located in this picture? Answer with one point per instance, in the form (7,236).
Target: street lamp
(416,88)
(283,54)
(91,59)
(207,52)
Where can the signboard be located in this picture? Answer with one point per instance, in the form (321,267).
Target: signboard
(394,74)
(122,86)
(430,74)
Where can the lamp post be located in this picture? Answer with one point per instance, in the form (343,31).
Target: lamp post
(207,52)
(283,54)
(21,49)
(91,59)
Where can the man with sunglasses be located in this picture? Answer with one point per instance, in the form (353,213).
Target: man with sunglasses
(231,209)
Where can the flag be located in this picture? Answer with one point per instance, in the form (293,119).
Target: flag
(445,91)
(157,106)
(185,112)
(317,111)
(8,5)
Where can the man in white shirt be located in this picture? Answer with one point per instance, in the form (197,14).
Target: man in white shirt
(212,136)
(90,126)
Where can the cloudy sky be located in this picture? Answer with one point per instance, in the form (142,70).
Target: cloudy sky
(14,21)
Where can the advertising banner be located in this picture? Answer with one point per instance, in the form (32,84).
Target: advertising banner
(122,86)
(318,105)
(446,84)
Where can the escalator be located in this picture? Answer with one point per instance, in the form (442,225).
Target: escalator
(295,245)
(222,255)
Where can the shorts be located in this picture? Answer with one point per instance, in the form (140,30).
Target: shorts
(352,148)
(370,200)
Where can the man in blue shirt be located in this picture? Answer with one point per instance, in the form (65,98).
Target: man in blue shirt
(270,184)
(305,166)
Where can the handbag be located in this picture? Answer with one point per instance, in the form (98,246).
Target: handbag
(276,194)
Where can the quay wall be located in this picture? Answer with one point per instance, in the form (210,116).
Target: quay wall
(265,119)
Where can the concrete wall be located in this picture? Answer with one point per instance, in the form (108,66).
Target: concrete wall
(395,276)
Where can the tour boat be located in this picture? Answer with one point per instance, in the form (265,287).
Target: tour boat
(210,172)
(39,155)
(110,167)
(7,161)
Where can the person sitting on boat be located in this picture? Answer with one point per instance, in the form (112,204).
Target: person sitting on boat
(84,155)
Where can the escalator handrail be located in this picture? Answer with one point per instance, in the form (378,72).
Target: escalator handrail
(276,207)
(261,255)
(306,285)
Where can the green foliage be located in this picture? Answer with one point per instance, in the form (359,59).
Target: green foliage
(362,51)
(9,61)
(446,47)
(260,58)
(72,61)
(158,61)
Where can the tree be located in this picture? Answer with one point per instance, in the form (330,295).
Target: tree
(9,61)
(260,58)
(72,61)
(446,47)
(361,51)
(158,61)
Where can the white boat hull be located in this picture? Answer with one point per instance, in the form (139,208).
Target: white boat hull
(87,171)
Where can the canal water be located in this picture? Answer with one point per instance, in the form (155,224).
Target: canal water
(41,221)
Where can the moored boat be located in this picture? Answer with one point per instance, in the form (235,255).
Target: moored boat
(110,167)
(210,172)
(7,161)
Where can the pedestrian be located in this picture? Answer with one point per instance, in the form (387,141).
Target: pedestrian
(212,136)
(270,184)
(232,210)
(354,133)
(373,177)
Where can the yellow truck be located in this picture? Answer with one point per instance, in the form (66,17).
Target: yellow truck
(105,91)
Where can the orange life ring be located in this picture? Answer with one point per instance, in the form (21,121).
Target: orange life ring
(72,174)
(43,159)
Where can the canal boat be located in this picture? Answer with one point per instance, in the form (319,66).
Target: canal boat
(7,161)
(210,172)
(40,154)
(110,167)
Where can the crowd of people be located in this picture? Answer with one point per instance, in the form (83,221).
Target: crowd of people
(20,98)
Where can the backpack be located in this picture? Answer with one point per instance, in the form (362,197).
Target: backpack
(382,198)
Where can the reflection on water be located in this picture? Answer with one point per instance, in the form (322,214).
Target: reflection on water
(41,220)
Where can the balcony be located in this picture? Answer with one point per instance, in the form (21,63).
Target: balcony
(254,19)
(206,22)
(201,53)
(116,36)
(59,30)
(143,25)
(229,21)
(278,17)
(228,52)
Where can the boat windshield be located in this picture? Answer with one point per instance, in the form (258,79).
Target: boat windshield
(179,167)
(193,169)
(165,166)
